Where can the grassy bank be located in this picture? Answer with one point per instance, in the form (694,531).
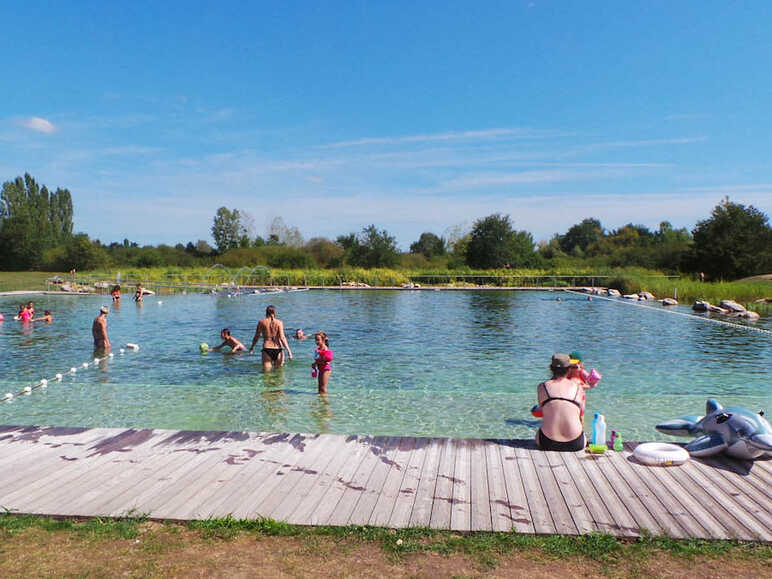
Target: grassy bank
(629,280)
(44,546)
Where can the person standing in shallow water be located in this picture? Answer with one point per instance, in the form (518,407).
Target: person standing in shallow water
(321,367)
(271,330)
(99,331)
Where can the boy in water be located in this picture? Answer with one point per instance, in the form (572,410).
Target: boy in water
(229,340)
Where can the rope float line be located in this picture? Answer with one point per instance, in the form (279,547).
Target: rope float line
(43,383)
(691,316)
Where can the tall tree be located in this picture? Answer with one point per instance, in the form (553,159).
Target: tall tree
(493,244)
(32,220)
(580,236)
(429,245)
(227,229)
(371,248)
(734,242)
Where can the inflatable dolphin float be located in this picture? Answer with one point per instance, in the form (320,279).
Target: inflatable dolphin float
(736,431)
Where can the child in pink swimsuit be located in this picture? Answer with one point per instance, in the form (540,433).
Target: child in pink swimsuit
(321,368)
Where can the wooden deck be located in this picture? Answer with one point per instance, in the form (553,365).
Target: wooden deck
(323,479)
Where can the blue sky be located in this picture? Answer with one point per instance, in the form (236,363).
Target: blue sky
(414,116)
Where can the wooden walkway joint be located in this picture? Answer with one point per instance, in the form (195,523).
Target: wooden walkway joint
(324,479)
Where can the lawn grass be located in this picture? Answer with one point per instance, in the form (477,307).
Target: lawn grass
(486,547)
(24,280)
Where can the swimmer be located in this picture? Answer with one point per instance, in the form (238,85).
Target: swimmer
(116,293)
(24,315)
(139,293)
(31,308)
(271,329)
(47,317)
(99,330)
(229,340)
(322,357)
(300,335)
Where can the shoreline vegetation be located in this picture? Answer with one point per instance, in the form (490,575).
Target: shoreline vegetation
(136,545)
(750,293)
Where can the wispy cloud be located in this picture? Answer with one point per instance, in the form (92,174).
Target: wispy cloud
(38,124)
(485,134)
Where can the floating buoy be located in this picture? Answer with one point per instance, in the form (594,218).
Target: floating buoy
(58,376)
(96,360)
(132,346)
(160,302)
(27,389)
(73,370)
(85,364)
(7,396)
(111,355)
(121,351)
(43,383)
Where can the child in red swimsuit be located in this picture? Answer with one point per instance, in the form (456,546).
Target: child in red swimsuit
(322,357)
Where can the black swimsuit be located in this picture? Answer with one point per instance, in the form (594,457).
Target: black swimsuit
(546,443)
(273,353)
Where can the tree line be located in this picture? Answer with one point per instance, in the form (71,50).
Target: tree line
(36,232)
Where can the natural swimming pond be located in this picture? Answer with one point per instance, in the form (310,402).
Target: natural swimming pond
(414,363)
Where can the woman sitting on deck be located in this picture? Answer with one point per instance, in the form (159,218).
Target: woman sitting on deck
(560,400)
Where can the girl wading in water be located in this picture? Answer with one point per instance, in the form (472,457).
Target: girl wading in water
(271,329)
(321,368)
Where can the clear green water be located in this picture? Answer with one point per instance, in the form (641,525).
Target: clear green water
(426,363)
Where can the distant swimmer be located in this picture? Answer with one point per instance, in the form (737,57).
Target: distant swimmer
(139,293)
(229,340)
(300,335)
(47,317)
(99,330)
(271,330)
(116,293)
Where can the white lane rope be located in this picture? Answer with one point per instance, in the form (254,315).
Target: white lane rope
(44,382)
(626,302)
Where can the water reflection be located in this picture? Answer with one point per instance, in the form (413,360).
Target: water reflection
(321,413)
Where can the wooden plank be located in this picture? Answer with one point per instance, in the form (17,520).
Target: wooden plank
(537,501)
(403,506)
(443,490)
(668,524)
(234,492)
(598,469)
(250,504)
(387,498)
(461,506)
(737,490)
(152,476)
(300,479)
(756,478)
(196,502)
(501,513)
(357,486)
(600,518)
(733,515)
(29,461)
(368,499)
(344,481)
(740,478)
(343,464)
(424,497)
(672,478)
(561,515)
(98,480)
(198,472)
(608,509)
(573,497)
(50,485)
(480,500)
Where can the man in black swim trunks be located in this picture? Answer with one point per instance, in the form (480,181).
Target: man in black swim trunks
(560,402)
